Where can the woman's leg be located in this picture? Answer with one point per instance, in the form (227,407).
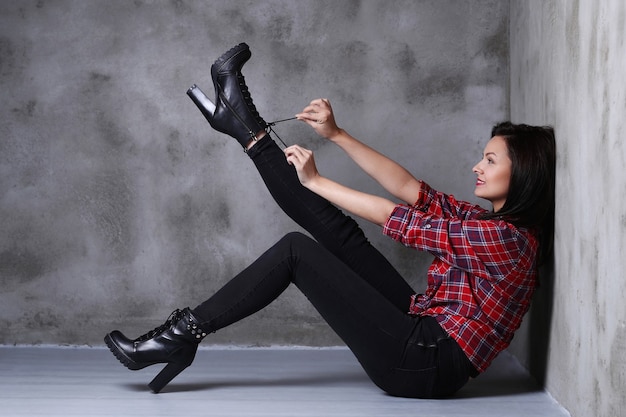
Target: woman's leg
(235,114)
(404,355)
(337,232)
(374,329)
(400,353)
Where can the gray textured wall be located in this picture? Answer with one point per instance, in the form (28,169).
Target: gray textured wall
(118,203)
(567,68)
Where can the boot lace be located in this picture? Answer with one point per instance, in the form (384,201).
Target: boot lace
(245,92)
(172,319)
(248,99)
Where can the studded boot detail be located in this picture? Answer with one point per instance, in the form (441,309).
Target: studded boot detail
(175,342)
(233,113)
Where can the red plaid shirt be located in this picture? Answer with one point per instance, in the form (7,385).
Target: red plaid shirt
(483,276)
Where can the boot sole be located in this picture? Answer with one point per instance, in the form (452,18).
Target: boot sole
(228,56)
(119,354)
(169,372)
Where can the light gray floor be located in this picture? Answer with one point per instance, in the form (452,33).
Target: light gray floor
(57,381)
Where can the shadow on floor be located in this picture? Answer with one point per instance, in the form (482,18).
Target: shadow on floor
(351,378)
(504,378)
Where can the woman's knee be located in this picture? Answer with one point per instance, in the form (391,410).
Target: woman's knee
(295,246)
(296,239)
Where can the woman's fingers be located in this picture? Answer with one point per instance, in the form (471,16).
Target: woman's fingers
(302,160)
(319,115)
(318,110)
(297,154)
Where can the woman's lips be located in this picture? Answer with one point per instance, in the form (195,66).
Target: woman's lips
(479,182)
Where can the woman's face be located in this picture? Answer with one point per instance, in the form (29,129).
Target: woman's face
(494,173)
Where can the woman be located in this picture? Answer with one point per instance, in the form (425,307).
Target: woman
(414,345)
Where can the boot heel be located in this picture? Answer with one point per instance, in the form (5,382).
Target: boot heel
(166,375)
(205,105)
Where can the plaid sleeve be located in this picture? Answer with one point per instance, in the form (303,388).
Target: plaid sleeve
(486,248)
(444,205)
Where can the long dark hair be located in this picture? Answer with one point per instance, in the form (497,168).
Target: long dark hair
(530,200)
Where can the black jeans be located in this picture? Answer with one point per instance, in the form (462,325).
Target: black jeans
(354,288)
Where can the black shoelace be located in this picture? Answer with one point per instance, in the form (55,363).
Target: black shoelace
(271,130)
(173,318)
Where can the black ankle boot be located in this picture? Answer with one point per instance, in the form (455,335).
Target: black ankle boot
(175,342)
(234,112)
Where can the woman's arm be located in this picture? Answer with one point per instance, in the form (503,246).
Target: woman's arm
(389,174)
(369,207)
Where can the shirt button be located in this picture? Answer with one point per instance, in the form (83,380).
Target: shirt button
(428,226)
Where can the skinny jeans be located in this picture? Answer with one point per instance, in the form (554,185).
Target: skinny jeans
(350,283)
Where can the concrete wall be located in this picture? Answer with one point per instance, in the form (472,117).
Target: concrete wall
(567,69)
(119,203)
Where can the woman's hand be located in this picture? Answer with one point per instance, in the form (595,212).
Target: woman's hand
(302,159)
(370,207)
(319,115)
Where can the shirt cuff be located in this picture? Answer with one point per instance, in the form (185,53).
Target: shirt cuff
(397,221)
(424,197)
